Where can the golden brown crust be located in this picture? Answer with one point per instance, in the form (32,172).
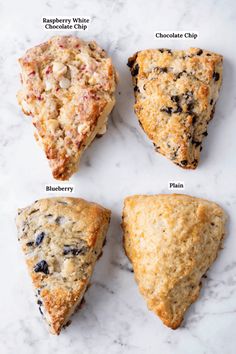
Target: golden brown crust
(175,96)
(68,88)
(171,241)
(62,239)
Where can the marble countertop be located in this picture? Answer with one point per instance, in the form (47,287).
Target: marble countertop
(115,318)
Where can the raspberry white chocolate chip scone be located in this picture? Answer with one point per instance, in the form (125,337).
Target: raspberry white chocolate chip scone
(68,89)
(175,95)
(171,241)
(62,239)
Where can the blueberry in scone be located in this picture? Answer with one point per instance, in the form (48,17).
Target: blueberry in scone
(61,256)
(175,96)
(68,88)
(171,241)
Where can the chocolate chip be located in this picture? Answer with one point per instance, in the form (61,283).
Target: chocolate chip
(184,162)
(211,102)
(162,50)
(208,54)
(180,74)
(196,143)
(60,220)
(194,118)
(163,70)
(167,110)
(136,89)
(41,267)
(40,310)
(175,98)
(200,52)
(29,244)
(216,76)
(157,148)
(73,250)
(135,70)
(201,148)
(205,133)
(190,107)
(39,302)
(39,238)
(189,136)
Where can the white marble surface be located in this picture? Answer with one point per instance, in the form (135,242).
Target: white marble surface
(115,318)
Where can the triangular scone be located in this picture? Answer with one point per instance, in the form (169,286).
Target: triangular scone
(62,239)
(175,95)
(68,89)
(171,241)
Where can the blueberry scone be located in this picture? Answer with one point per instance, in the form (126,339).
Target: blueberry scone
(171,241)
(175,96)
(62,239)
(68,88)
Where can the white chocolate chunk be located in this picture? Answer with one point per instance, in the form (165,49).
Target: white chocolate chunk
(64,83)
(48,85)
(68,267)
(59,69)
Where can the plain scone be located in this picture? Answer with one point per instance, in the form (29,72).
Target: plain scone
(171,241)
(175,96)
(68,88)
(62,238)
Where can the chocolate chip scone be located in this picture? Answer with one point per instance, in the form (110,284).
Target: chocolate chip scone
(175,96)
(62,239)
(171,241)
(68,88)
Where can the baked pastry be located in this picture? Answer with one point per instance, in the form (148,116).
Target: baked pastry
(175,96)
(62,239)
(171,241)
(68,88)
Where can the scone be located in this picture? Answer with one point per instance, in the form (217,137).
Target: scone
(62,239)
(175,96)
(68,88)
(171,241)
